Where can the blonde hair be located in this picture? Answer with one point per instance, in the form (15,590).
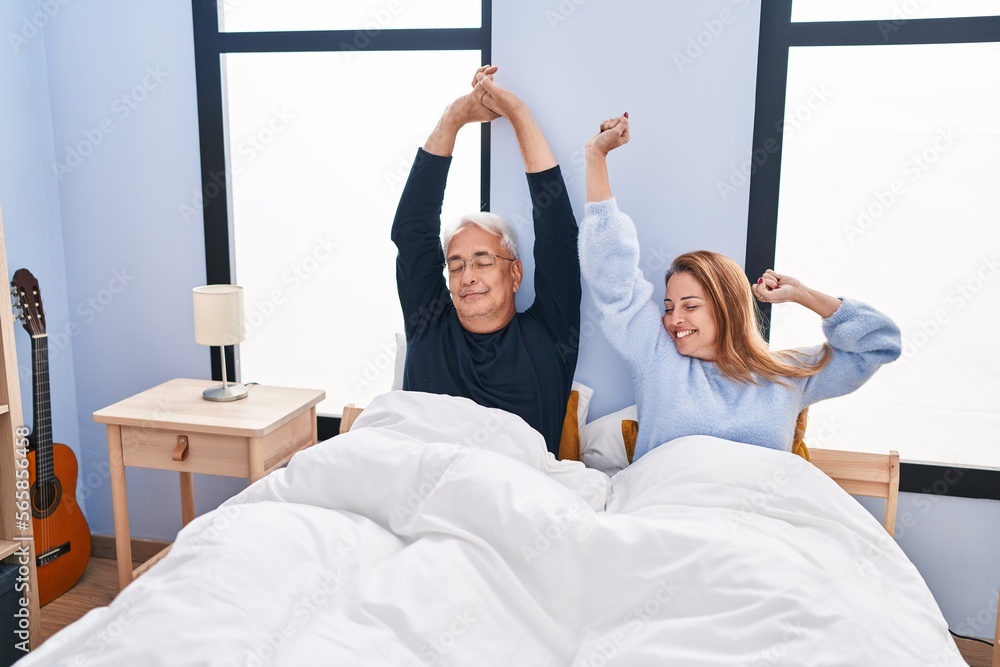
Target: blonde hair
(741,352)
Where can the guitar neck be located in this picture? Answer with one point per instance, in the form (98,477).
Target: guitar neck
(44,470)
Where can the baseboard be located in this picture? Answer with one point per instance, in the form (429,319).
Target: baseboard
(103,546)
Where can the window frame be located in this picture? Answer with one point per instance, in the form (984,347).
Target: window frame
(211,44)
(777,35)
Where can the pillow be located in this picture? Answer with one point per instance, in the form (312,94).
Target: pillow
(397,377)
(583,407)
(603,441)
(576,417)
(569,440)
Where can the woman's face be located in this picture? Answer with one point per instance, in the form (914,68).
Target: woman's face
(689,317)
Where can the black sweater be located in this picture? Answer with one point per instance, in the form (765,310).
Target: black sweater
(525,368)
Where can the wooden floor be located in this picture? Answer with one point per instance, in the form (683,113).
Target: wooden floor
(96,588)
(99,585)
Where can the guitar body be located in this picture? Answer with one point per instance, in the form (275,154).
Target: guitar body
(62,536)
(61,533)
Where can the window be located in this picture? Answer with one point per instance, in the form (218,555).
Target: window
(359,15)
(889,10)
(311,114)
(874,179)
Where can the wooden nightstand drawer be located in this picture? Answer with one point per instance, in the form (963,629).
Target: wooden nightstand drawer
(207,453)
(247,438)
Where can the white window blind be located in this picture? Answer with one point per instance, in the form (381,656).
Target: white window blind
(888,194)
(319,147)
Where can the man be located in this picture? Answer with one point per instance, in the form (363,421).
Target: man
(464,336)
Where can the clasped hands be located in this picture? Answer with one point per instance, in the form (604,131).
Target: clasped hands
(486,101)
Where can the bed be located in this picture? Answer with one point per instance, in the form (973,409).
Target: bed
(439,532)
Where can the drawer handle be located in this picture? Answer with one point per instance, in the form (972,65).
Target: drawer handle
(181,451)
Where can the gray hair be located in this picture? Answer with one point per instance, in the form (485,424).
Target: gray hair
(490,222)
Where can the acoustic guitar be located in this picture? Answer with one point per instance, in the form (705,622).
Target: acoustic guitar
(61,533)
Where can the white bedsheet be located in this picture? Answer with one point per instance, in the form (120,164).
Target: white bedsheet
(439,532)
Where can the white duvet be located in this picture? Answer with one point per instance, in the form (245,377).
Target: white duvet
(438,532)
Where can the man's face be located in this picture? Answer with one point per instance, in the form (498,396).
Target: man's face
(484,298)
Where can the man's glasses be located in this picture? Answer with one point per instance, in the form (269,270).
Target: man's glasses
(483,262)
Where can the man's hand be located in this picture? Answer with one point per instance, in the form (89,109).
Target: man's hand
(468,108)
(614,132)
(472,107)
(499,100)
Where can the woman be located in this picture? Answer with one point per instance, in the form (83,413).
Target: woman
(702,366)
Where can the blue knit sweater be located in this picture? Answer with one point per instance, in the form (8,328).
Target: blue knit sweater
(678,395)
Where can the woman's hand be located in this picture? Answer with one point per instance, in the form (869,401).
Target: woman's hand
(614,132)
(777,288)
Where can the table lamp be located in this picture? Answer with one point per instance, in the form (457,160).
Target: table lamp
(218,320)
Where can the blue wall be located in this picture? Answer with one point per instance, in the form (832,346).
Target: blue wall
(29,202)
(107,93)
(116,259)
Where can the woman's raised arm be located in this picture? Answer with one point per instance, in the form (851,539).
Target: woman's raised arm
(612,134)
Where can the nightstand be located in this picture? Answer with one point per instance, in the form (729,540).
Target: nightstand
(171,427)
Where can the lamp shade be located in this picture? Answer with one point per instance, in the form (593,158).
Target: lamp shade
(218,315)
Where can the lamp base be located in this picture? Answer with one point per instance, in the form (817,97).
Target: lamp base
(230,392)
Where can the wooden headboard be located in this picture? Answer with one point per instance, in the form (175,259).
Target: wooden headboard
(873,475)
(347,418)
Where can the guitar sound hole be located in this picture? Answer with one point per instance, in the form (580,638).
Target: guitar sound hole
(45,498)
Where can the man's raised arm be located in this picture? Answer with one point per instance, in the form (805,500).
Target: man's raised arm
(557,262)
(416,228)
(534,148)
